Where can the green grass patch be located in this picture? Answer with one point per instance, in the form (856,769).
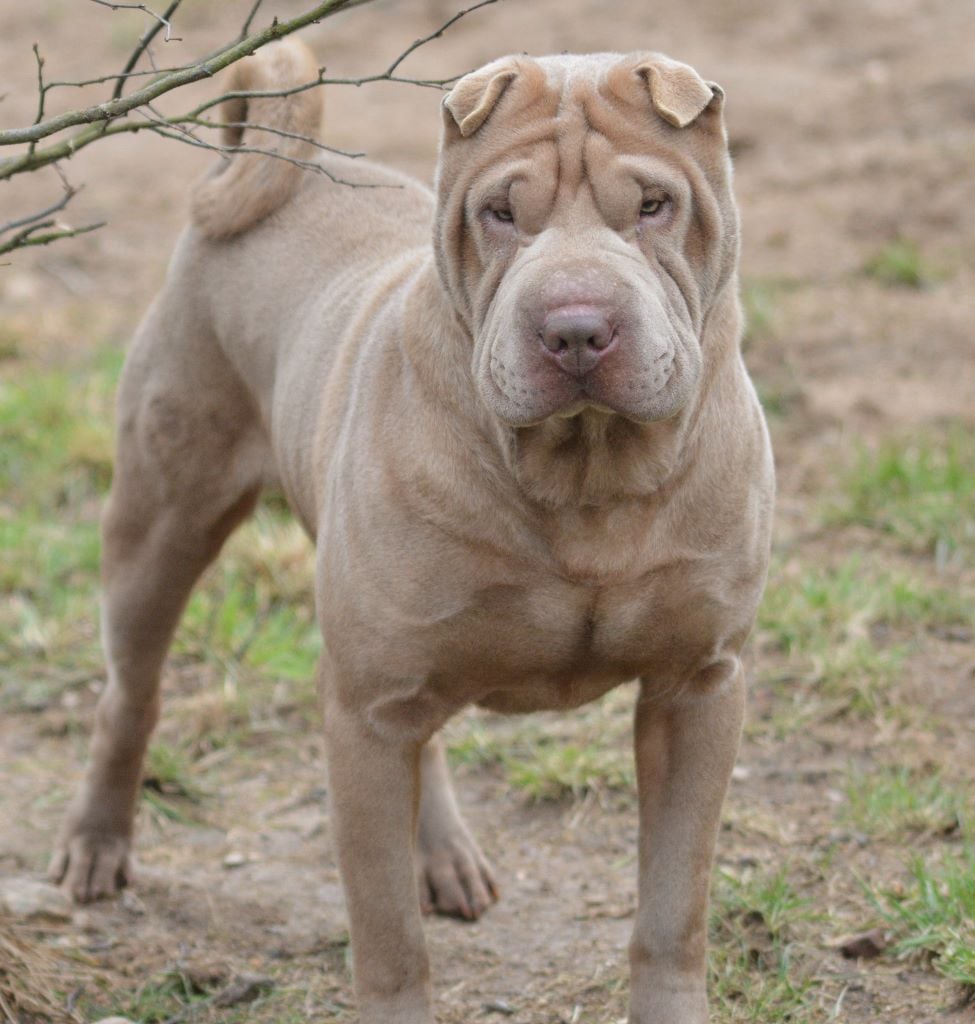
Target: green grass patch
(558,770)
(754,974)
(919,490)
(169,995)
(551,757)
(845,629)
(900,264)
(759,300)
(900,802)
(933,915)
(55,465)
(56,436)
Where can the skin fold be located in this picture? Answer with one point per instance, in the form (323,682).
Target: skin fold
(529,455)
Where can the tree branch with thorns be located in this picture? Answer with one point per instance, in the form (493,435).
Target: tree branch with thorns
(49,141)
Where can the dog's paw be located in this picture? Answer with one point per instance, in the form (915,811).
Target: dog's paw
(89,867)
(455,878)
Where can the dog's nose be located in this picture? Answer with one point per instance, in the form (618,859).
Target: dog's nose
(577,337)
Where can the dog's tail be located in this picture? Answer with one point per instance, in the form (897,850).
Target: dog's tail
(251,185)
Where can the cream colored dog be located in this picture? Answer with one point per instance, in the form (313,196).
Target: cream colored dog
(529,454)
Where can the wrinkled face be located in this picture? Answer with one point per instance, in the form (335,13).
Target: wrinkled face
(585,224)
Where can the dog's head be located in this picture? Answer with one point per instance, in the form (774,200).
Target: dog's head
(585,225)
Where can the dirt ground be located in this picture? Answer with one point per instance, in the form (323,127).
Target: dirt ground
(853,130)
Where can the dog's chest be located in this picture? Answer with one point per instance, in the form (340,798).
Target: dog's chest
(557,643)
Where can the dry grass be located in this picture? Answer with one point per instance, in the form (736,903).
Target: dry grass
(33,979)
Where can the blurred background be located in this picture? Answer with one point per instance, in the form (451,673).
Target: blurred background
(845,882)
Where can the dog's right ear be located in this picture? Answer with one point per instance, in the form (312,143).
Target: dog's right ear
(472,99)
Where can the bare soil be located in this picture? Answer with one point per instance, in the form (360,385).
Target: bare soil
(853,125)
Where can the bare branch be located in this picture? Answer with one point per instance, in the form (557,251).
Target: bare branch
(165,128)
(417,43)
(27,237)
(82,82)
(113,116)
(120,106)
(310,139)
(246,27)
(41,214)
(41,87)
(142,46)
(163,22)
(29,226)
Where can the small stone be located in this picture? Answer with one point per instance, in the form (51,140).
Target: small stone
(865,945)
(244,988)
(235,859)
(25,898)
(131,902)
(114,1020)
(499,1006)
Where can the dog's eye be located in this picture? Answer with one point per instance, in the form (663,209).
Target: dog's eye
(504,215)
(651,207)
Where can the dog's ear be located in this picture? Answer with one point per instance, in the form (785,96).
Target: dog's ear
(677,91)
(472,99)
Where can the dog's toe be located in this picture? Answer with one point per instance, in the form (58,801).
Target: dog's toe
(91,867)
(456,880)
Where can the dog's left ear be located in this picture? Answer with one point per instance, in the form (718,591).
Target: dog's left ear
(472,99)
(677,91)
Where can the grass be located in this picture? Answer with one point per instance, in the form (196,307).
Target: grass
(759,301)
(919,490)
(933,914)
(34,978)
(900,264)
(55,463)
(169,994)
(552,758)
(753,973)
(842,631)
(904,802)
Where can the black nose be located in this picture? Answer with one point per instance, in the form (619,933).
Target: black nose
(577,337)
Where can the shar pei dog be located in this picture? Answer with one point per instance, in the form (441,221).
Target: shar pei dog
(513,415)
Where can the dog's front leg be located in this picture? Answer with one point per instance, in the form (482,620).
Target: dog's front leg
(684,753)
(374,790)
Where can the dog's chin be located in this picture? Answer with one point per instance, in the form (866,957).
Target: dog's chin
(515,412)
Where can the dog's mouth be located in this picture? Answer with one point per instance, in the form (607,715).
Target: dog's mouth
(584,354)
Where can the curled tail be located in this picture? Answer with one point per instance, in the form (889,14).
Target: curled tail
(252,185)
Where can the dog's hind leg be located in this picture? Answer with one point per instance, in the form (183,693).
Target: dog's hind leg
(188,470)
(455,879)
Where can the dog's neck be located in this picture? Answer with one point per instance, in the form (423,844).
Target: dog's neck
(594,458)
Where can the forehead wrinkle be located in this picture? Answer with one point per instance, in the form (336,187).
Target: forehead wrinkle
(573,130)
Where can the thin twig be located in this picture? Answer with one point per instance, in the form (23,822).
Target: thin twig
(41,214)
(41,93)
(82,82)
(310,139)
(417,43)
(164,127)
(26,238)
(163,22)
(248,94)
(41,87)
(246,27)
(142,46)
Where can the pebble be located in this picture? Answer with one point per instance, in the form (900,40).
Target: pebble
(24,898)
